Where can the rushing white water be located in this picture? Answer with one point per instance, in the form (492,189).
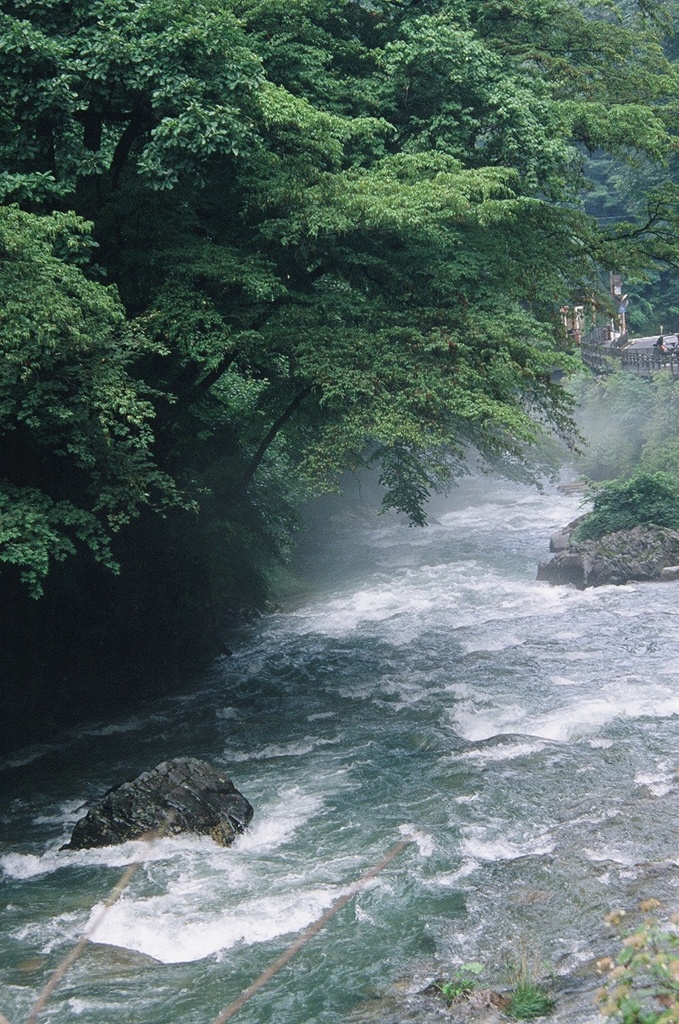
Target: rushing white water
(524,736)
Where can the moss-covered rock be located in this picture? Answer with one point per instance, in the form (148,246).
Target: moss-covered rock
(641,554)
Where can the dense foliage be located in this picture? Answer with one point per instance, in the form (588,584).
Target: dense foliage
(75,422)
(631,424)
(622,504)
(324,235)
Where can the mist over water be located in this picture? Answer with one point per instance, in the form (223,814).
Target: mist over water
(524,736)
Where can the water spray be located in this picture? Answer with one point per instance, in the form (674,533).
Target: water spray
(247,994)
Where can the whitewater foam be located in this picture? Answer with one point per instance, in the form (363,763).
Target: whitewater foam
(159,928)
(424,842)
(610,854)
(500,752)
(659,782)
(278,821)
(270,751)
(479,849)
(28,865)
(67,814)
(584,716)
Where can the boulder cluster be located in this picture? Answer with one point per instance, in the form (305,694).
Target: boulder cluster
(642,554)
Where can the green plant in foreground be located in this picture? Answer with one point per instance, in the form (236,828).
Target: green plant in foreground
(642,985)
(464,980)
(528,999)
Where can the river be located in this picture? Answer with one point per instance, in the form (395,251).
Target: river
(525,737)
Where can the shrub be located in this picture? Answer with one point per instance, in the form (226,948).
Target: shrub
(623,504)
(528,997)
(642,986)
(464,980)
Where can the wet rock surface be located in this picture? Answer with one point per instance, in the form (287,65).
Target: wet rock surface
(643,554)
(575,1005)
(560,540)
(602,859)
(181,795)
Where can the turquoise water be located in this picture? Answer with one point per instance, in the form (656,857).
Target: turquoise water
(524,737)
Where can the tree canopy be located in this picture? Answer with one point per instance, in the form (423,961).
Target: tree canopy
(324,235)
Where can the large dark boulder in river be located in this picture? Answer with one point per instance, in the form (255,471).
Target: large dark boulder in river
(182,795)
(642,554)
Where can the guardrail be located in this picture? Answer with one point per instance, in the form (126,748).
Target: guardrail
(648,361)
(599,359)
(643,362)
(597,335)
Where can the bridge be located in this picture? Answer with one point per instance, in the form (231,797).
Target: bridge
(602,353)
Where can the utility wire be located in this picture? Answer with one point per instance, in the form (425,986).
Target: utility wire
(309,932)
(247,994)
(114,895)
(69,960)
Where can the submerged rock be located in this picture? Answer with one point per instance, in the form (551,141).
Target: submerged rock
(643,554)
(182,795)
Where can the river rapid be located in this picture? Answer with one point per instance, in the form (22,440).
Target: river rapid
(525,737)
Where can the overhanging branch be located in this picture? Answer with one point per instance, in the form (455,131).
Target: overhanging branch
(271,435)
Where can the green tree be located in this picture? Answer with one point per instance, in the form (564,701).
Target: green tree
(76,439)
(340,233)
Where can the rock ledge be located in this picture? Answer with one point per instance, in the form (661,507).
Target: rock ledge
(642,554)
